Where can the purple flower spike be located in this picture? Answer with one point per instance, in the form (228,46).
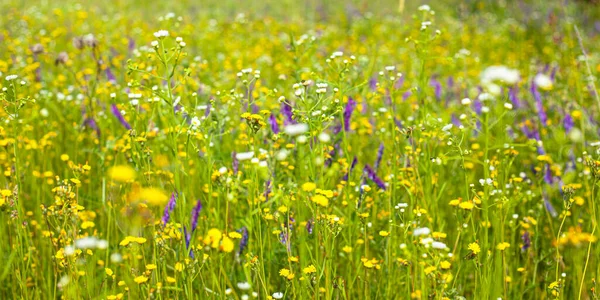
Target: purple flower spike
(437,87)
(526,241)
(117,113)
(273,123)
(373,176)
(539,105)
(235,164)
(195,214)
(354,161)
(110,76)
(286,111)
(379,156)
(513,96)
(568,123)
(350,106)
(309,226)
(243,240)
(169,208)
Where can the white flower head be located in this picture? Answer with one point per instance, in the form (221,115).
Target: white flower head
(295,129)
(244,155)
(161,34)
(421,231)
(543,81)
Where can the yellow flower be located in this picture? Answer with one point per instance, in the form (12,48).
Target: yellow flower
(502,246)
(474,247)
(309,187)
(429,270)
(235,235)
(122,173)
(140,279)
(227,244)
(108,271)
(6,193)
(384,233)
(310,269)
(179,267)
(445,265)
(153,196)
(286,273)
(150,267)
(466,205)
(171,279)
(213,237)
(130,239)
(320,200)
(347,249)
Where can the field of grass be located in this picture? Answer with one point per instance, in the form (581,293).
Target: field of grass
(299,149)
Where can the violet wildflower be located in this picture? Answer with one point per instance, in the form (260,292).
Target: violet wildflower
(243,240)
(539,105)
(373,83)
(350,106)
(526,241)
(373,177)
(195,214)
(169,208)
(117,113)
(352,165)
(568,123)
(437,88)
(309,226)
(379,156)
(286,111)
(513,96)
(549,207)
(235,164)
(273,123)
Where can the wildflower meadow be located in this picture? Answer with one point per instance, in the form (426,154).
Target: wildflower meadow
(299,149)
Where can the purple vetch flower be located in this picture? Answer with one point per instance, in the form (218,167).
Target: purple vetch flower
(286,111)
(117,113)
(255,108)
(110,76)
(373,83)
(268,187)
(539,105)
(455,121)
(437,87)
(373,177)
(568,123)
(309,226)
(243,240)
(549,206)
(195,214)
(273,123)
(379,156)
(188,237)
(477,106)
(350,106)
(352,165)
(130,44)
(283,238)
(553,72)
(398,123)
(526,241)
(399,82)
(548,175)
(169,208)
(406,94)
(450,82)
(513,96)
(91,123)
(235,164)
